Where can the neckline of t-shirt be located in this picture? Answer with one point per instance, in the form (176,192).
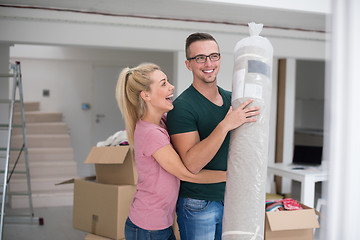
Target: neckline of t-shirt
(146,122)
(220,92)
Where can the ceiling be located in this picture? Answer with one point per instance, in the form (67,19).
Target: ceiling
(190,10)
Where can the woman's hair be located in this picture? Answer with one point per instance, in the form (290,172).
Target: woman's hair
(131,82)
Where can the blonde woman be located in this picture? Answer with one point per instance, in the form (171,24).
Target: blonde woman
(144,97)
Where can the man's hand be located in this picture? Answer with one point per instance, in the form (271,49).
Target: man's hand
(243,114)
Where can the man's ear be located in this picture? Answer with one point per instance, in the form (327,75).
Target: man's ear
(145,95)
(187,63)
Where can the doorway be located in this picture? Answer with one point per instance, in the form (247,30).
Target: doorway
(107,118)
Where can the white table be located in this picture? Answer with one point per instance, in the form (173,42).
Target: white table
(307,176)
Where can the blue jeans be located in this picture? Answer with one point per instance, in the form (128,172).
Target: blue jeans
(199,219)
(133,232)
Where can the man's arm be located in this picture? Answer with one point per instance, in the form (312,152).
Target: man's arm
(195,153)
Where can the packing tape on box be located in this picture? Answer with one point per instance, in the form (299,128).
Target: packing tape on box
(93,223)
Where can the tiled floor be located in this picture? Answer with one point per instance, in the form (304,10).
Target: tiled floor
(57,226)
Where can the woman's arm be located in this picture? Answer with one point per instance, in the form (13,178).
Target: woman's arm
(171,162)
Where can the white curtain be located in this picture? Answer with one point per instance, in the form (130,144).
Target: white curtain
(340,220)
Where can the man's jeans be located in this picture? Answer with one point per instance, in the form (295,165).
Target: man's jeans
(199,219)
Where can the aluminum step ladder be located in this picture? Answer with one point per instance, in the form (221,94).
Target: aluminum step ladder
(7,169)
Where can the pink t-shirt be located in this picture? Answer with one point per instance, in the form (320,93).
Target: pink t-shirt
(153,206)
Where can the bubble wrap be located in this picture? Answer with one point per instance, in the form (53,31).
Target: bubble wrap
(244,206)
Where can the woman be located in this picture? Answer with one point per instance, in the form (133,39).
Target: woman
(144,97)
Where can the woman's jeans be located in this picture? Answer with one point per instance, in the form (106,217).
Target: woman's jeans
(133,232)
(199,219)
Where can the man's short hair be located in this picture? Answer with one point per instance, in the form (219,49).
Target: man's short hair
(197,37)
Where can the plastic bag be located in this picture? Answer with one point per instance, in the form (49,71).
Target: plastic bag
(244,206)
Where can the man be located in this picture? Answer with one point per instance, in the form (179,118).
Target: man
(199,126)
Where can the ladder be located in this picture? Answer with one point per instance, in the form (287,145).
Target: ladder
(6,170)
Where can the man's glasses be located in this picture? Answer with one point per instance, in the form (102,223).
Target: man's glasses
(202,58)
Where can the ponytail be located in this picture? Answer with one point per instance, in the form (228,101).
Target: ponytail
(131,82)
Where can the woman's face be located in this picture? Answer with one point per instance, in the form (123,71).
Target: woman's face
(159,98)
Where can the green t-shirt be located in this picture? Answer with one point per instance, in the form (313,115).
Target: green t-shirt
(194,112)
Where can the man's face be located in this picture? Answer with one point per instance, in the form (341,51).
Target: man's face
(205,72)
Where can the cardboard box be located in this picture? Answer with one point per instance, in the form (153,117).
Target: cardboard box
(96,237)
(113,165)
(101,209)
(291,225)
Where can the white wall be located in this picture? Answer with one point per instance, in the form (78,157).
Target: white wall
(59,28)
(68,73)
(89,39)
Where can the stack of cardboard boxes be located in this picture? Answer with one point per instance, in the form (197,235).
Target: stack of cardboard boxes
(102,206)
(101,203)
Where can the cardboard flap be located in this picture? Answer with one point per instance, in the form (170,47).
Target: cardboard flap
(107,155)
(306,207)
(292,220)
(72,180)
